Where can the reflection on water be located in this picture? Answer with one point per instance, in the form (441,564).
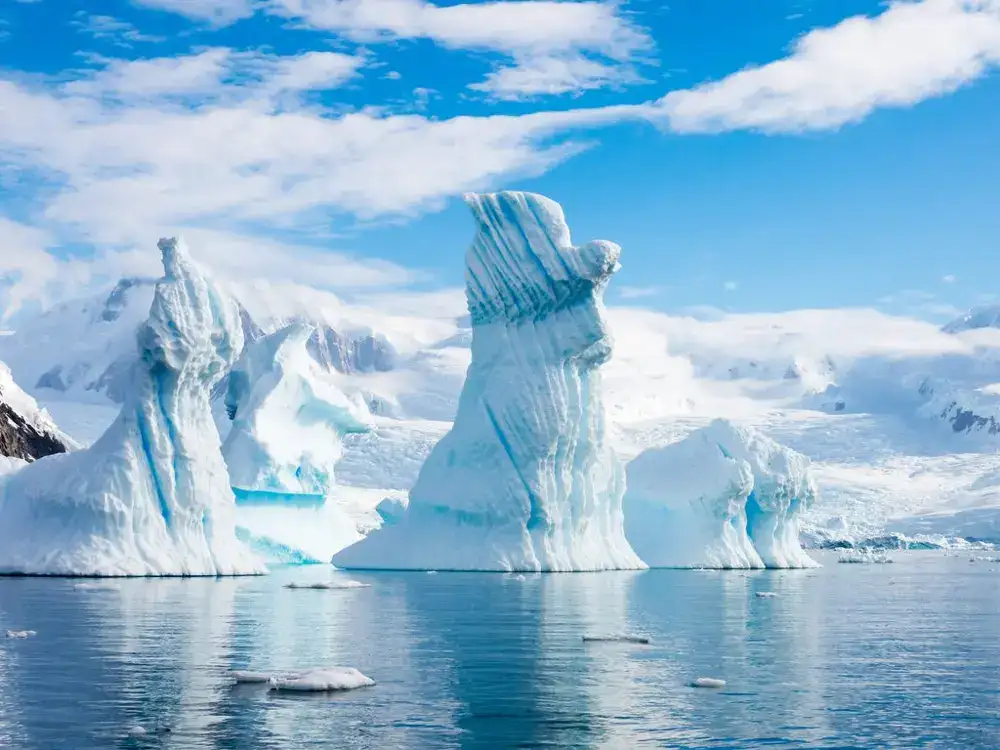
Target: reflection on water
(903,655)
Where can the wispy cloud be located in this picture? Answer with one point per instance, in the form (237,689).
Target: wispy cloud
(949,279)
(111,29)
(730,286)
(638,292)
(217,12)
(547,76)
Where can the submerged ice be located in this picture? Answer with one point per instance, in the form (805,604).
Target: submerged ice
(526,480)
(151,496)
(724,497)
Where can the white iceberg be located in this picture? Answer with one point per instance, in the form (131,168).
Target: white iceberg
(151,496)
(289,418)
(526,480)
(685,506)
(724,497)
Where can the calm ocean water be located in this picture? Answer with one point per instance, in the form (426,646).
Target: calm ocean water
(849,656)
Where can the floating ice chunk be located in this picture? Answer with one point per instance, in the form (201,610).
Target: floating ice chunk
(248,677)
(137,731)
(766,594)
(329,585)
(527,479)
(322,679)
(97,587)
(432,572)
(20,633)
(615,639)
(151,496)
(708,682)
(685,506)
(863,557)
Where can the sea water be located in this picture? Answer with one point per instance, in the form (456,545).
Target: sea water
(847,656)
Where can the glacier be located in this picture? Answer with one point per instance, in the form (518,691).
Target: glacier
(151,496)
(288,421)
(526,480)
(725,496)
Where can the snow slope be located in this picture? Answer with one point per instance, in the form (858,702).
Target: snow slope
(527,478)
(151,496)
(26,431)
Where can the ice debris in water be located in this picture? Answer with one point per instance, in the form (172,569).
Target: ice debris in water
(316,679)
(766,594)
(329,585)
(137,731)
(527,479)
(864,557)
(615,639)
(708,682)
(97,587)
(151,496)
(20,633)
(726,496)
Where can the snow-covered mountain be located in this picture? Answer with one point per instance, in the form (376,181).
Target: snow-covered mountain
(26,431)
(979,317)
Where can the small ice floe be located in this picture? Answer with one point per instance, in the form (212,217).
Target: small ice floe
(432,572)
(615,639)
(20,633)
(97,587)
(984,559)
(765,594)
(329,585)
(137,731)
(708,682)
(314,680)
(864,557)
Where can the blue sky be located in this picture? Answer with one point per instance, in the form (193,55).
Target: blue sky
(747,156)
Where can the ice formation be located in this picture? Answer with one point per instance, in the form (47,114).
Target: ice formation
(314,680)
(724,497)
(151,496)
(685,506)
(526,480)
(288,421)
(289,418)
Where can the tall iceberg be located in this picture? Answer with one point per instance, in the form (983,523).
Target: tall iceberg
(724,497)
(151,496)
(288,421)
(526,479)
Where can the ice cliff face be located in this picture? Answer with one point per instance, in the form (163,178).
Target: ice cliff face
(151,496)
(288,419)
(724,497)
(526,479)
(26,431)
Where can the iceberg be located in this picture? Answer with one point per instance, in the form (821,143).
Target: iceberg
(724,497)
(288,422)
(526,480)
(685,506)
(289,419)
(151,496)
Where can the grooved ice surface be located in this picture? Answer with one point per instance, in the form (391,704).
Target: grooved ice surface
(724,497)
(151,496)
(288,418)
(526,479)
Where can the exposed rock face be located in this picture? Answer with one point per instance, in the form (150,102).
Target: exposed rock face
(26,432)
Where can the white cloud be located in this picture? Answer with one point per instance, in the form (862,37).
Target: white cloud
(502,25)
(949,279)
(547,76)
(730,286)
(911,52)
(217,12)
(637,292)
(111,29)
